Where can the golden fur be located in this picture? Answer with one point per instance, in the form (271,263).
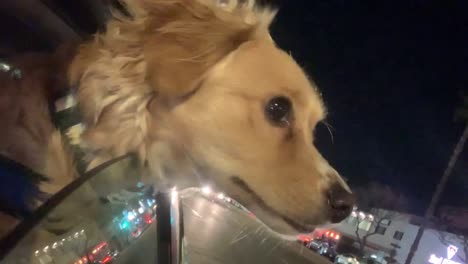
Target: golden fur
(121,70)
(184,84)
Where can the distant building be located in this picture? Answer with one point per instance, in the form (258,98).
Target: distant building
(395,235)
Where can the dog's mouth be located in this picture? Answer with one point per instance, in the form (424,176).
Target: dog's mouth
(260,202)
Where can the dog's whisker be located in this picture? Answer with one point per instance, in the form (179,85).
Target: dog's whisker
(329,128)
(239,236)
(239,239)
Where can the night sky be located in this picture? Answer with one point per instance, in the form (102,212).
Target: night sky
(391,73)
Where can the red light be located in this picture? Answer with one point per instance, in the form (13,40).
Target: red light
(107,259)
(148,219)
(99,247)
(137,232)
(327,233)
(337,237)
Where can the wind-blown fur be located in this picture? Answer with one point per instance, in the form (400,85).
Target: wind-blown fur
(162,50)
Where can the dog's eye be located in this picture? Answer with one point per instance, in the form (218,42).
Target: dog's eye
(278,110)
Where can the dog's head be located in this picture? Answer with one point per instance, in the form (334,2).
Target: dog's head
(199,87)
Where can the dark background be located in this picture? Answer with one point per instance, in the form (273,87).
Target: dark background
(391,73)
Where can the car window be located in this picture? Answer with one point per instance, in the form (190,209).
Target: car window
(82,224)
(95,221)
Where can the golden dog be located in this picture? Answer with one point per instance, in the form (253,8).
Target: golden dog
(200,88)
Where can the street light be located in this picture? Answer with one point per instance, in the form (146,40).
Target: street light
(174,195)
(361,215)
(206,190)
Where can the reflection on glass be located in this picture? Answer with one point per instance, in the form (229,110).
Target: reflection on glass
(95,223)
(110,216)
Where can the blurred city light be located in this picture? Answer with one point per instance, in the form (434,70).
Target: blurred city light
(362,215)
(130,216)
(206,190)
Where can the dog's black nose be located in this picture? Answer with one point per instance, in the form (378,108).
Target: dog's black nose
(340,202)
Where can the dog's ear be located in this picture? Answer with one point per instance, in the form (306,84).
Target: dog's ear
(174,70)
(161,47)
(192,36)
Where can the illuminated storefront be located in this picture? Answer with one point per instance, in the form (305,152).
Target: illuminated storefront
(397,236)
(451,252)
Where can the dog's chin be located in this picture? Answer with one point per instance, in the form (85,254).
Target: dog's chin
(274,218)
(287,227)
